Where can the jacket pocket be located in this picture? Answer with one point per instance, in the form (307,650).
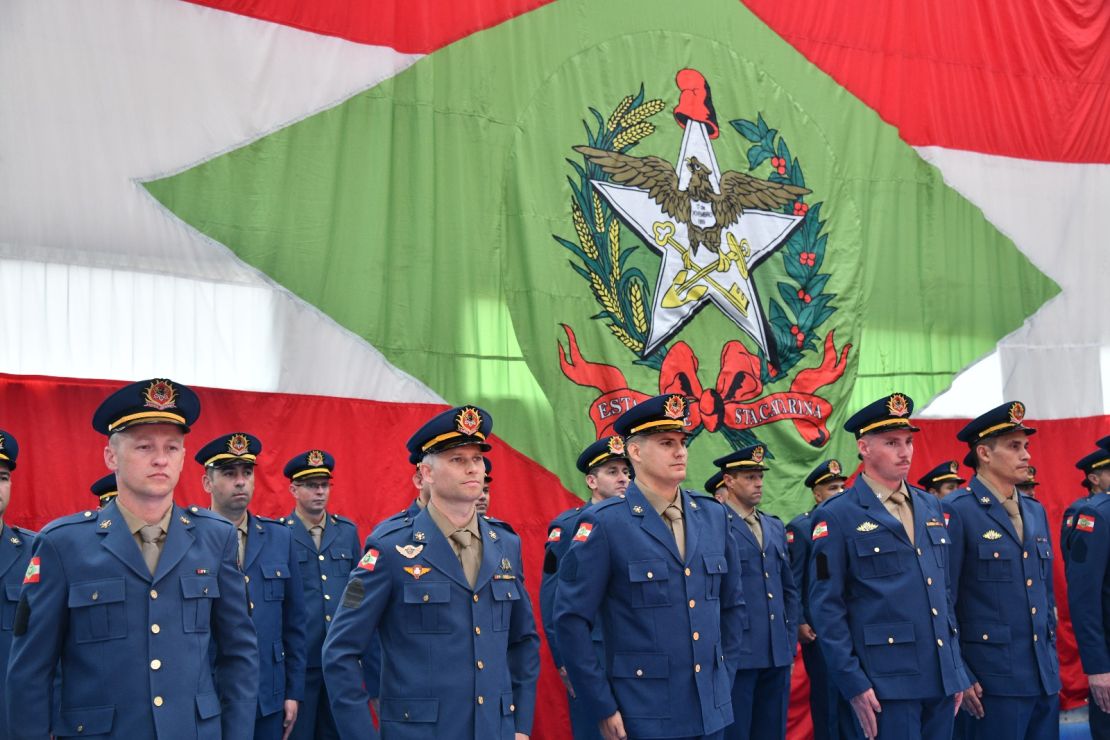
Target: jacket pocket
(409,710)
(995,562)
(877,556)
(8,605)
(986,649)
(426,606)
(505,594)
(197,593)
(84,722)
(274,576)
(716,566)
(641,684)
(891,649)
(97,610)
(649,582)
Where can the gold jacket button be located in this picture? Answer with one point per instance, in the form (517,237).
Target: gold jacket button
(155,664)
(475,598)
(158,701)
(692,602)
(477,630)
(639,672)
(697,668)
(481,665)
(153,594)
(481,700)
(155,629)
(697,636)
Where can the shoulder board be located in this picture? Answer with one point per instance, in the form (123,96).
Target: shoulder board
(798,520)
(390,526)
(271,521)
(81,516)
(203,513)
(566,516)
(915,489)
(24,531)
(499,523)
(959,493)
(770,516)
(700,498)
(607,503)
(340,519)
(1094,502)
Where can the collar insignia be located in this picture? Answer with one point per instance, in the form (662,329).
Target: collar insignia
(984,500)
(160,395)
(106,523)
(693,505)
(637,509)
(418,536)
(492,535)
(867,527)
(506,565)
(186,520)
(991,534)
(16,541)
(410,551)
(417,570)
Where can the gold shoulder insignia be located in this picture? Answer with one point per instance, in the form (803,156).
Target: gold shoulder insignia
(867,527)
(991,534)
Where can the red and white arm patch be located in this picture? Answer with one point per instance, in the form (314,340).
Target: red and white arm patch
(790,537)
(369,560)
(583,532)
(32,574)
(1085,523)
(555,534)
(821,530)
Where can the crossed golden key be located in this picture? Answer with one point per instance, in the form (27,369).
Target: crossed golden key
(688,287)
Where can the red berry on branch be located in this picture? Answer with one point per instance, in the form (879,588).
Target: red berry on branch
(782,169)
(807,298)
(794,329)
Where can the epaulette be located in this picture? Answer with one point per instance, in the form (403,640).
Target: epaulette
(23,531)
(498,523)
(701,498)
(391,525)
(958,494)
(203,513)
(1095,501)
(339,518)
(602,505)
(78,518)
(772,516)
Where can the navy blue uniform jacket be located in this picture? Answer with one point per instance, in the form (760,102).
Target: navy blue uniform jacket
(892,596)
(15,553)
(1002,590)
(132,648)
(456,662)
(672,626)
(1089,583)
(771,617)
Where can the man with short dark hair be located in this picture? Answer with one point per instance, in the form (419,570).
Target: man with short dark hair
(127,601)
(879,562)
(661,569)
(1000,560)
(942,480)
(267,559)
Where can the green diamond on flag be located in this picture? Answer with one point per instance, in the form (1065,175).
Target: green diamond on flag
(560,236)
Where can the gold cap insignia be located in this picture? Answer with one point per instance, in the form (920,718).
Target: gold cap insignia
(1031,472)
(315,458)
(991,534)
(953,467)
(1,441)
(417,570)
(757,455)
(867,527)
(834,467)
(675,407)
(160,394)
(1017,412)
(410,551)
(897,405)
(469,421)
(238,444)
(616,445)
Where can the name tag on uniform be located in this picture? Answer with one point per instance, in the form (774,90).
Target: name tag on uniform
(934,523)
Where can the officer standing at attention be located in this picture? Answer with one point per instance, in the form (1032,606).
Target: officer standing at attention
(1096,479)
(942,480)
(1088,576)
(879,568)
(482,505)
(1000,559)
(105,489)
(327,547)
(660,569)
(15,554)
(127,601)
(445,591)
(266,557)
(827,708)
(761,691)
(607,473)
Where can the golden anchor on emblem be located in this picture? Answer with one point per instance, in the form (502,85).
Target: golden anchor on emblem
(688,287)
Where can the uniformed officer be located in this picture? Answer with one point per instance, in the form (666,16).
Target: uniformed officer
(1028,487)
(1096,479)
(269,563)
(761,689)
(879,567)
(1000,560)
(15,554)
(482,505)
(943,479)
(327,547)
(1088,578)
(661,569)
(445,591)
(105,489)
(831,715)
(126,601)
(607,474)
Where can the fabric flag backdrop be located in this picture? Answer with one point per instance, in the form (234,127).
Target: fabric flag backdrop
(337,218)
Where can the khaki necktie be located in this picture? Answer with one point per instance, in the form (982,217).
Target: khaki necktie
(904,512)
(468,555)
(756,527)
(674,516)
(243,546)
(150,535)
(317,533)
(1011,507)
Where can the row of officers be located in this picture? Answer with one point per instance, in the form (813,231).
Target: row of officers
(669,614)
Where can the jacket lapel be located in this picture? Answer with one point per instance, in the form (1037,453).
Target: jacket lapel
(994,508)
(741,527)
(115,538)
(10,547)
(331,531)
(492,554)
(300,534)
(692,519)
(255,542)
(867,499)
(437,550)
(179,539)
(650,522)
